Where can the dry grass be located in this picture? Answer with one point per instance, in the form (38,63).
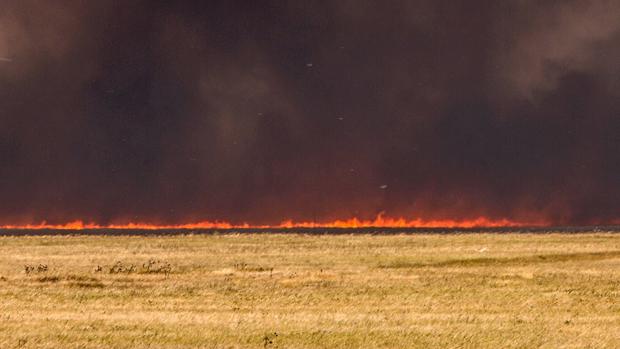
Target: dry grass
(300,291)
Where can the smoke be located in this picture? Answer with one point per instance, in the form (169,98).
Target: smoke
(170,112)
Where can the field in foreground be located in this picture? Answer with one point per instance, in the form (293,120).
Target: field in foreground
(311,291)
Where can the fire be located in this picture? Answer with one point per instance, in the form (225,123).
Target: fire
(379,222)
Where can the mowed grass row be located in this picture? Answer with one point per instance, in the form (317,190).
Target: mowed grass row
(311,291)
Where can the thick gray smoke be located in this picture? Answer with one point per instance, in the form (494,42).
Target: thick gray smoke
(177,111)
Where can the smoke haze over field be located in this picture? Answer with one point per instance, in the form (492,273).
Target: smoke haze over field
(177,111)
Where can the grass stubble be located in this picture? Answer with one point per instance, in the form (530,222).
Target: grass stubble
(311,291)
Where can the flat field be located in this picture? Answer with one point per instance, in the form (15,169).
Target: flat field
(311,291)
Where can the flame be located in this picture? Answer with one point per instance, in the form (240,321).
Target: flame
(378,222)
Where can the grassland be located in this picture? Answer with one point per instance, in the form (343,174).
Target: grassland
(311,291)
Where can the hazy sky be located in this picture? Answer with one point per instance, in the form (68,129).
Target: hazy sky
(258,111)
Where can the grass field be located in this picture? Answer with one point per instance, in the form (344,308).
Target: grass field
(311,291)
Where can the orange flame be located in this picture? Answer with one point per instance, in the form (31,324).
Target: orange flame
(379,222)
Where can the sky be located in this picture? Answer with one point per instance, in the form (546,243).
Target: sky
(170,112)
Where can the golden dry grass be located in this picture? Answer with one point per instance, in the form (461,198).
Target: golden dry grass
(338,291)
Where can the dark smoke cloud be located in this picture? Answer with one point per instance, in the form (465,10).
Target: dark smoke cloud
(177,111)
